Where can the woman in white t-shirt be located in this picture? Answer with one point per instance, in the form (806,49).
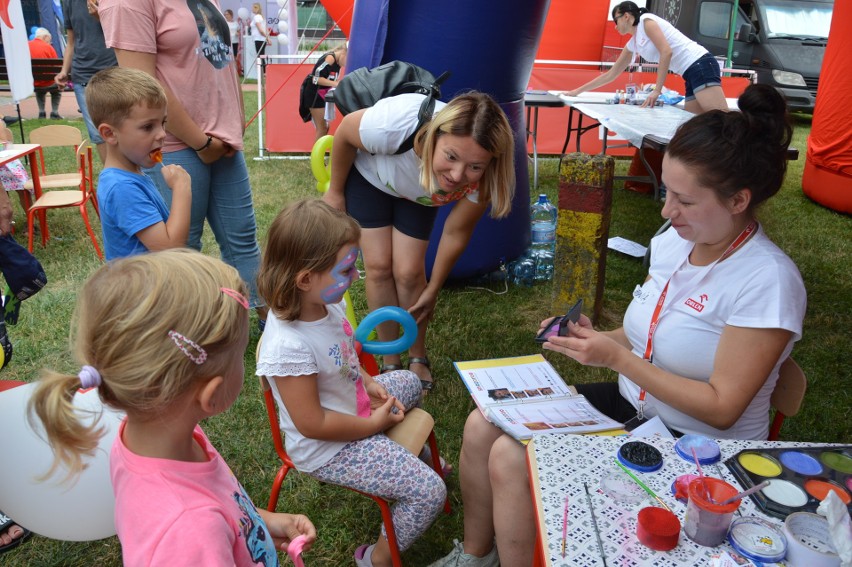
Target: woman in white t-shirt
(463,155)
(657,41)
(706,362)
(259,33)
(234,30)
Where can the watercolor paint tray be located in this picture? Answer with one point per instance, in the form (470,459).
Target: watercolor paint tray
(800,477)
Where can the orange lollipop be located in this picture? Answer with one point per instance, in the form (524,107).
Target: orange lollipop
(157,156)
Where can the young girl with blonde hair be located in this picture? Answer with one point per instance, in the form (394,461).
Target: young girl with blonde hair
(333,414)
(162,337)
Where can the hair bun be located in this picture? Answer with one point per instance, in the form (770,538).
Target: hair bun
(766,111)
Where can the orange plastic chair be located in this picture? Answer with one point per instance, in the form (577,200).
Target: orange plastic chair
(787,396)
(81,180)
(415,430)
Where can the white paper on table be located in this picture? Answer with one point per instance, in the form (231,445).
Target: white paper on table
(628,247)
(654,427)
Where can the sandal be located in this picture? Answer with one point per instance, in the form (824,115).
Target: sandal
(6,524)
(390,368)
(426,385)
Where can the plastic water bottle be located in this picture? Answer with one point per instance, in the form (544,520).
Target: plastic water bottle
(522,271)
(543,247)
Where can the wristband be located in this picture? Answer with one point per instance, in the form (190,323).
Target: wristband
(206,145)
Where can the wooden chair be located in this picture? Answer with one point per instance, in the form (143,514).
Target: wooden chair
(787,396)
(81,180)
(412,433)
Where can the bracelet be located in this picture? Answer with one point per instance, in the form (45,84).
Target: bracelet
(206,145)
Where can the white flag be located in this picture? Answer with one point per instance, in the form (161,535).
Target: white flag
(18,62)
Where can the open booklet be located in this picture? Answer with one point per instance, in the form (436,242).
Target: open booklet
(525,396)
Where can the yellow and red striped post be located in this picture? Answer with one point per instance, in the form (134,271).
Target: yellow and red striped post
(582,230)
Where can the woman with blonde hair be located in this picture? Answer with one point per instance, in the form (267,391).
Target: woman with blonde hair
(463,155)
(259,33)
(324,76)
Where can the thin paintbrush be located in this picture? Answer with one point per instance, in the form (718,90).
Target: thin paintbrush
(642,485)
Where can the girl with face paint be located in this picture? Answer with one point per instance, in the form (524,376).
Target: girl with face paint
(333,414)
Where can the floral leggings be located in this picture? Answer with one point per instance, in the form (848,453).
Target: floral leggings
(377,465)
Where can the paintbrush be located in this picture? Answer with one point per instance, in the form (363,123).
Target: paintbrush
(707,496)
(642,485)
(745,493)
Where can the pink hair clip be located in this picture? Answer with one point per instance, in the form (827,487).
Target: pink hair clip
(184,345)
(241,299)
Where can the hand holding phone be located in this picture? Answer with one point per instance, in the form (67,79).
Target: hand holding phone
(559,325)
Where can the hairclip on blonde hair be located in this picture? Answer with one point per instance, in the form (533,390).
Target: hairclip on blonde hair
(241,299)
(185,344)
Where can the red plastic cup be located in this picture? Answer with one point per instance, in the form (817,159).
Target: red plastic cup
(657,528)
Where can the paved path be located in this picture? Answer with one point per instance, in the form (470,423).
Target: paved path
(67,108)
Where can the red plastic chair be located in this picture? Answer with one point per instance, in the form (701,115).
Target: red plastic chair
(415,430)
(81,180)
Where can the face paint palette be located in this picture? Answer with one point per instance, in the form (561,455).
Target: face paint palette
(799,478)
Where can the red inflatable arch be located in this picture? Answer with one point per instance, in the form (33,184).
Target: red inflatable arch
(828,168)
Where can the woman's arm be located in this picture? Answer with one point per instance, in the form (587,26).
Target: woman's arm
(458,229)
(655,34)
(301,398)
(617,68)
(744,359)
(347,142)
(179,123)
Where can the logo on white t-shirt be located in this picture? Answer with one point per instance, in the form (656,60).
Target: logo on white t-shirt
(697,305)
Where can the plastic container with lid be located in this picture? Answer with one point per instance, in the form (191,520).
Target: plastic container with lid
(706,449)
(757,540)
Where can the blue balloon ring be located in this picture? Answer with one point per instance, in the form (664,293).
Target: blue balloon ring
(380,315)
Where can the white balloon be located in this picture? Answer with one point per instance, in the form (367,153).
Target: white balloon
(243,13)
(283,15)
(80,510)
(283,39)
(282,3)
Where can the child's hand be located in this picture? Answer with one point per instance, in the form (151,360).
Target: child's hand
(378,395)
(176,178)
(284,528)
(389,413)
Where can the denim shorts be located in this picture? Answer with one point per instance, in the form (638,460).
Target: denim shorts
(702,74)
(373,208)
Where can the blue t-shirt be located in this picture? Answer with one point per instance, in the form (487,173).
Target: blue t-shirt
(129,202)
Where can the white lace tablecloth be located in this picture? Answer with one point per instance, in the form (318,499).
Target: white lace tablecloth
(561,464)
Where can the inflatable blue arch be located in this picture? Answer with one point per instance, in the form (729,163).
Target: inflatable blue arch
(489,47)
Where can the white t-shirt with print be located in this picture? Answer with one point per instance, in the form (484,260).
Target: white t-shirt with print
(384,127)
(326,348)
(758,286)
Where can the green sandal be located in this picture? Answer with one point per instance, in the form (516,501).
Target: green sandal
(424,360)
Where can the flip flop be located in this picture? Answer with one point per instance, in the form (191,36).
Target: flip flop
(390,368)
(6,523)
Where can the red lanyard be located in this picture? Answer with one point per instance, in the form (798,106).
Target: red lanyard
(658,309)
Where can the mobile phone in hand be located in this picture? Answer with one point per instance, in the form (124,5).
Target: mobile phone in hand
(559,325)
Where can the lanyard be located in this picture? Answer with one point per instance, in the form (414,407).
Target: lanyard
(658,309)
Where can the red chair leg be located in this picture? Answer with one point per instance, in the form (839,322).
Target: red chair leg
(30,229)
(276,488)
(387,519)
(89,230)
(436,464)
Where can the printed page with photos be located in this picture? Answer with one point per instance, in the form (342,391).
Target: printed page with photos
(525,396)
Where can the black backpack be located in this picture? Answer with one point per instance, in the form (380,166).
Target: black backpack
(362,88)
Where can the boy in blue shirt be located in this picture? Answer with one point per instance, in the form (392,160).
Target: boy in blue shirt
(129,108)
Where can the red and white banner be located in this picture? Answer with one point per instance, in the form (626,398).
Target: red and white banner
(17,52)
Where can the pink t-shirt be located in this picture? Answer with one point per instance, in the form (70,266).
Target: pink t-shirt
(193,58)
(180,513)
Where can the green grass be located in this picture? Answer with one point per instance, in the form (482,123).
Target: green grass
(469,324)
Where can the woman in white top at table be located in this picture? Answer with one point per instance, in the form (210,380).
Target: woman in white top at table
(708,360)
(657,41)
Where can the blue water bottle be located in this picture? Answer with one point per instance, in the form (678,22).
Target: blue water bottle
(543,247)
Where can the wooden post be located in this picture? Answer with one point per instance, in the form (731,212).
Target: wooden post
(582,231)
